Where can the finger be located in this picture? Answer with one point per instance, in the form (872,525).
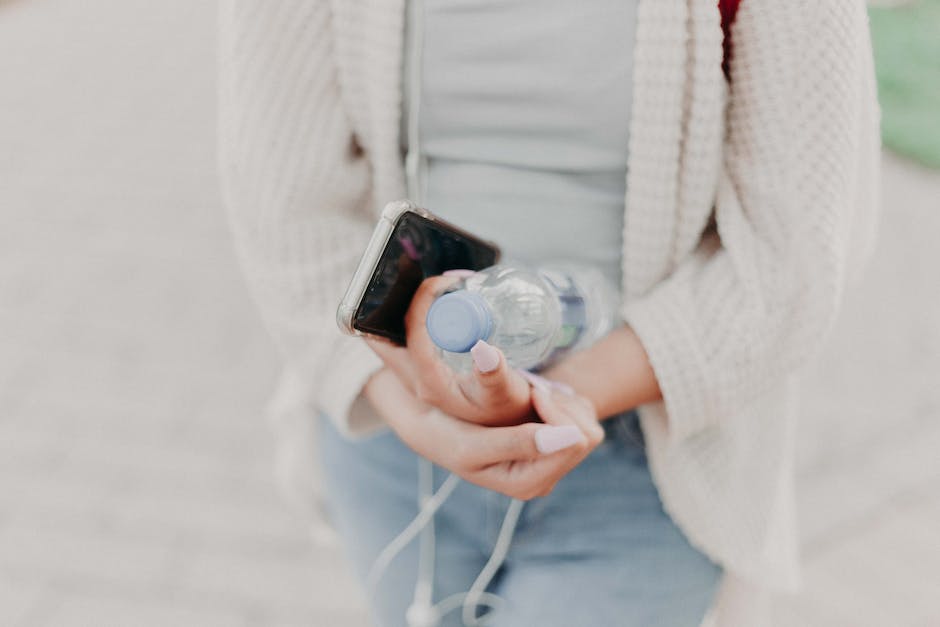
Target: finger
(494,445)
(387,352)
(568,437)
(529,478)
(397,359)
(424,353)
(462,446)
(570,433)
(538,381)
(526,479)
(493,383)
(524,442)
(424,429)
(559,408)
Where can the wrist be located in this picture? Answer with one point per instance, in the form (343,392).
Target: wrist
(614,374)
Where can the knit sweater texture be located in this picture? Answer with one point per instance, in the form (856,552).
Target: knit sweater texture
(750,205)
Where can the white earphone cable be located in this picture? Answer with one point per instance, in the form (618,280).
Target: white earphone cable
(397,545)
(477,591)
(415,162)
(424,583)
(422,612)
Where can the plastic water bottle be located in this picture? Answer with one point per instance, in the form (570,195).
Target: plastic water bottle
(534,316)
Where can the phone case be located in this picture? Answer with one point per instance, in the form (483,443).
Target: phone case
(391,214)
(370,258)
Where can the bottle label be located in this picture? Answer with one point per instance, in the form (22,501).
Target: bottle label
(573,312)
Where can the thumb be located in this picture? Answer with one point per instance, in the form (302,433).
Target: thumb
(493,382)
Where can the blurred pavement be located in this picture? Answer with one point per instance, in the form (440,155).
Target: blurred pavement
(135,480)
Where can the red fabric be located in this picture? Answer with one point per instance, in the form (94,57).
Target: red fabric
(728,10)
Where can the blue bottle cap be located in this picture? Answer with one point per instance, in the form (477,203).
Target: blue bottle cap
(458,320)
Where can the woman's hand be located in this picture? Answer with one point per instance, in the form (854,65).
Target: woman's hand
(522,461)
(615,373)
(493,394)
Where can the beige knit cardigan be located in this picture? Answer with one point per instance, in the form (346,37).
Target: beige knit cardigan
(784,162)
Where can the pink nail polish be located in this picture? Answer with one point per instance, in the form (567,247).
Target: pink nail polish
(485,356)
(564,388)
(539,383)
(552,439)
(460,274)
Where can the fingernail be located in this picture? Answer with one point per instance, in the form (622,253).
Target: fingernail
(551,439)
(564,388)
(485,356)
(539,383)
(460,274)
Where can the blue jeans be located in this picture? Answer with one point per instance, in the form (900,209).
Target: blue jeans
(599,550)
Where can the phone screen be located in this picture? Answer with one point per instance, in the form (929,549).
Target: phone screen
(418,248)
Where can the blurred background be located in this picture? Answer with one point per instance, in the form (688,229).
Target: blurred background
(135,466)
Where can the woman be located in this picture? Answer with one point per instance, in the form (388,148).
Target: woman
(731,211)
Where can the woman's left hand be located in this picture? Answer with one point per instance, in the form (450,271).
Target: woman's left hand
(493,394)
(522,461)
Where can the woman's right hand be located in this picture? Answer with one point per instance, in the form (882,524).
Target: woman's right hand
(494,394)
(521,461)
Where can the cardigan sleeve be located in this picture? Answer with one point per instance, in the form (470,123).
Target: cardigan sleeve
(795,213)
(297,188)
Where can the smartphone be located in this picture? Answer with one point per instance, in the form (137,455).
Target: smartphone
(409,244)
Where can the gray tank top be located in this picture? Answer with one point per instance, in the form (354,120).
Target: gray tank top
(523,121)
